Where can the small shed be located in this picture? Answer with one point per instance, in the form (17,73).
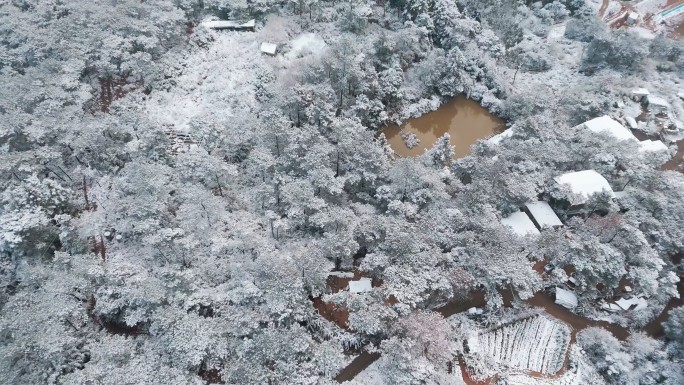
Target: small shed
(608,125)
(360,286)
(584,184)
(652,146)
(341,274)
(657,103)
(543,215)
(520,224)
(475,311)
(639,94)
(632,18)
(566,298)
(632,303)
(610,307)
(631,122)
(269,48)
(230,25)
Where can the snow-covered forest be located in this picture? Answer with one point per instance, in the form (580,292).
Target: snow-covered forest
(203,192)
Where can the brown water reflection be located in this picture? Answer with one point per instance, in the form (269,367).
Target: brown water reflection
(464,119)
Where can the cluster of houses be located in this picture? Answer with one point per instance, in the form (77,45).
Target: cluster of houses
(658,107)
(581,186)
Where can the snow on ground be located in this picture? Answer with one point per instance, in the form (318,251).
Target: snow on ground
(581,373)
(306,44)
(612,10)
(647,7)
(376,375)
(520,224)
(536,344)
(218,80)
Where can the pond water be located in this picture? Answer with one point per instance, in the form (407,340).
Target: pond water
(464,119)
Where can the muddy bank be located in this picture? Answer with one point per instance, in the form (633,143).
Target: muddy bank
(477,299)
(655,327)
(463,119)
(675,163)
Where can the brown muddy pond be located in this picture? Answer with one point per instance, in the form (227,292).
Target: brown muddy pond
(464,119)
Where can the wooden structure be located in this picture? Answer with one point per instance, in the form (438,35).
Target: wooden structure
(230,25)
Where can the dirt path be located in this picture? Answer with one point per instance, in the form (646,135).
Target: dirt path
(604,6)
(675,163)
(577,322)
(477,299)
(361,362)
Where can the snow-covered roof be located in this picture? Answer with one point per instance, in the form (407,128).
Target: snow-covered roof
(475,311)
(341,274)
(566,298)
(269,48)
(640,92)
(652,146)
(520,224)
(496,139)
(627,304)
(633,16)
(657,101)
(228,24)
(610,126)
(360,286)
(584,184)
(680,95)
(631,122)
(611,307)
(543,214)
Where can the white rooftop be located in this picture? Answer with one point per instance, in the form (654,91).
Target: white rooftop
(652,146)
(584,184)
(566,298)
(520,224)
(632,122)
(657,101)
(224,24)
(608,125)
(269,48)
(360,286)
(341,274)
(475,311)
(627,304)
(611,307)
(543,214)
(640,92)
